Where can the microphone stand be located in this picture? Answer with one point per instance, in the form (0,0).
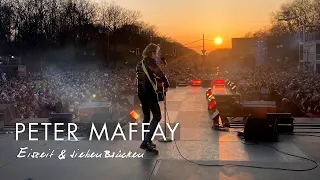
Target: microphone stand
(166,139)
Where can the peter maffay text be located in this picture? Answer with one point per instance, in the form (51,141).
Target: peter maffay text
(72,128)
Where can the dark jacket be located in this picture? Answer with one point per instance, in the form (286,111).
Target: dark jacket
(145,89)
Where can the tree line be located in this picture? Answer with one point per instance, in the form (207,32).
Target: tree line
(106,30)
(289,18)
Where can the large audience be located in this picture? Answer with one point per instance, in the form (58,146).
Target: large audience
(294,91)
(35,94)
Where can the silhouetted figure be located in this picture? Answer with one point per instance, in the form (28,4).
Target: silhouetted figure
(58,107)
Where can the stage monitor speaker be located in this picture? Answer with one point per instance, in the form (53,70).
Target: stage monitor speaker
(259,109)
(279,115)
(284,121)
(219,122)
(60,117)
(8,113)
(64,118)
(215,116)
(258,129)
(99,120)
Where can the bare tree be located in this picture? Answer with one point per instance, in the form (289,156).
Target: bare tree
(47,24)
(297,12)
(114,16)
(6,17)
(5,21)
(278,29)
(289,18)
(51,22)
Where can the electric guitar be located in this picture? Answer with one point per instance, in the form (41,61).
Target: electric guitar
(158,86)
(160,89)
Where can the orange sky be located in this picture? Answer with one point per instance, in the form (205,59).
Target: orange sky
(186,20)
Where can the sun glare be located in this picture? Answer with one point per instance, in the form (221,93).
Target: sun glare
(218,40)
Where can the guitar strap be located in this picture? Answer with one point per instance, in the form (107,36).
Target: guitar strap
(146,72)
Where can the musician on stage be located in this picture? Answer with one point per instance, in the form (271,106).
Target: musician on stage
(147,71)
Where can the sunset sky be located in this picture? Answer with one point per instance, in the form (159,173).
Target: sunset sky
(186,20)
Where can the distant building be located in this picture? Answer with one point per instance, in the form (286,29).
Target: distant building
(248,50)
(261,53)
(244,46)
(271,50)
(283,50)
(310,52)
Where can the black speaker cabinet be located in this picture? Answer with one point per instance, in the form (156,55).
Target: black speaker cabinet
(99,120)
(61,118)
(284,121)
(7,112)
(259,129)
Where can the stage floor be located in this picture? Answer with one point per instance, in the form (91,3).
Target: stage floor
(197,142)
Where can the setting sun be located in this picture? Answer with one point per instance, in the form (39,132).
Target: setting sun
(218,40)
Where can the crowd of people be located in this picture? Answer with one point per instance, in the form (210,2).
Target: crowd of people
(294,91)
(36,94)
